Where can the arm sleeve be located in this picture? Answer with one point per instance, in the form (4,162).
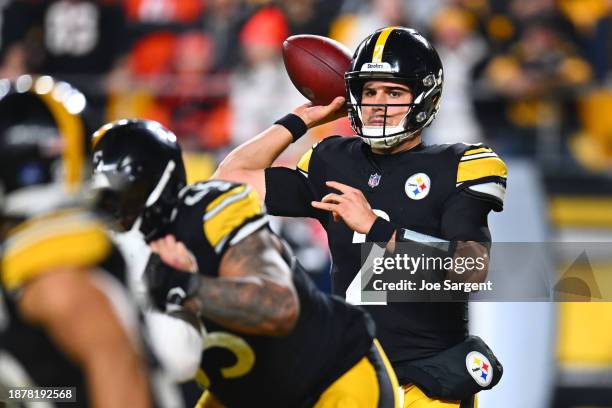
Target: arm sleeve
(290,191)
(465,219)
(288,194)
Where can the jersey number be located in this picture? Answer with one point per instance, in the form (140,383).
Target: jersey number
(354,293)
(244,354)
(193,193)
(71,28)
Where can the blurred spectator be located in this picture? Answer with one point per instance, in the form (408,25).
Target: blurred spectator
(260,88)
(170,77)
(460,48)
(524,12)
(310,16)
(164,11)
(584,14)
(196,102)
(222,23)
(592,144)
(351,29)
(153,27)
(76,40)
(539,73)
(600,46)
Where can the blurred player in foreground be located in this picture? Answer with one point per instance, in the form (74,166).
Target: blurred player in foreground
(66,319)
(386,186)
(272,338)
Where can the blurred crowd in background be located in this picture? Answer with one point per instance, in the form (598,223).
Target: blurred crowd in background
(531,78)
(527,76)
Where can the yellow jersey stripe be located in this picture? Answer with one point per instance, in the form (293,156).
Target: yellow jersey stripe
(304,162)
(48,225)
(233,192)
(230,216)
(74,245)
(479,168)
(380,45)
(476,151)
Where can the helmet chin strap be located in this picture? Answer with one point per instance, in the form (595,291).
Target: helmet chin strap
(374,136)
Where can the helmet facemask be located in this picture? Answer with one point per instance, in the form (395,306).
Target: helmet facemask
(390,135)
(133,203)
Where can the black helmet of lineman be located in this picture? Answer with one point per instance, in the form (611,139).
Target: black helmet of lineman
(43,146)
(138,168)
(395,54)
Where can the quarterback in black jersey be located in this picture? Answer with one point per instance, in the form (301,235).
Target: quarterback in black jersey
(385,186)
(272,339)
(66,318)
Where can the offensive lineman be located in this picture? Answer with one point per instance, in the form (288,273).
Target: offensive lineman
(272,339)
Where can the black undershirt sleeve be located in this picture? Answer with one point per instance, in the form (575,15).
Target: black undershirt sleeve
(288,194)
(464,218)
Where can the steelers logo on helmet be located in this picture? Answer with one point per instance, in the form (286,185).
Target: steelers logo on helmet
(42,144)
(479,368)
(402,55)
(417,186)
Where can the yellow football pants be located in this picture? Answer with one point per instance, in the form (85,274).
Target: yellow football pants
(415,398)
(370,383)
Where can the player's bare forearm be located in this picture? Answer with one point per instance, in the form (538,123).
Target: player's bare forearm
(391,244)
(114,365)
(257,153)
(246,162)
(254,292)
(248,305)
(476,252)
(479,256)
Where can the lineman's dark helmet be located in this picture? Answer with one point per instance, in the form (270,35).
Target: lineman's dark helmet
(140,163)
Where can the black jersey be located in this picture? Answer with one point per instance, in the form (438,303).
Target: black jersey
(442,190)
(73,238)
(240,369)
(37,246)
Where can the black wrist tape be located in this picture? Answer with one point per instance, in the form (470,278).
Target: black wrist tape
(381,231)
(294,124)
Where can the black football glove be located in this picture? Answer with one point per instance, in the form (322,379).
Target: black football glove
(169,287)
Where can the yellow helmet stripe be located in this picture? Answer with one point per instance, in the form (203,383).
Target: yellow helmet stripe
(380,44)
(99,134)
(72,131)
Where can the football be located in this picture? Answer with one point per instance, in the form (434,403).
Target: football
(316,66)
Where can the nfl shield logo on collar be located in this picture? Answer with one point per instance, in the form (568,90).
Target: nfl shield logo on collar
(374,180)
